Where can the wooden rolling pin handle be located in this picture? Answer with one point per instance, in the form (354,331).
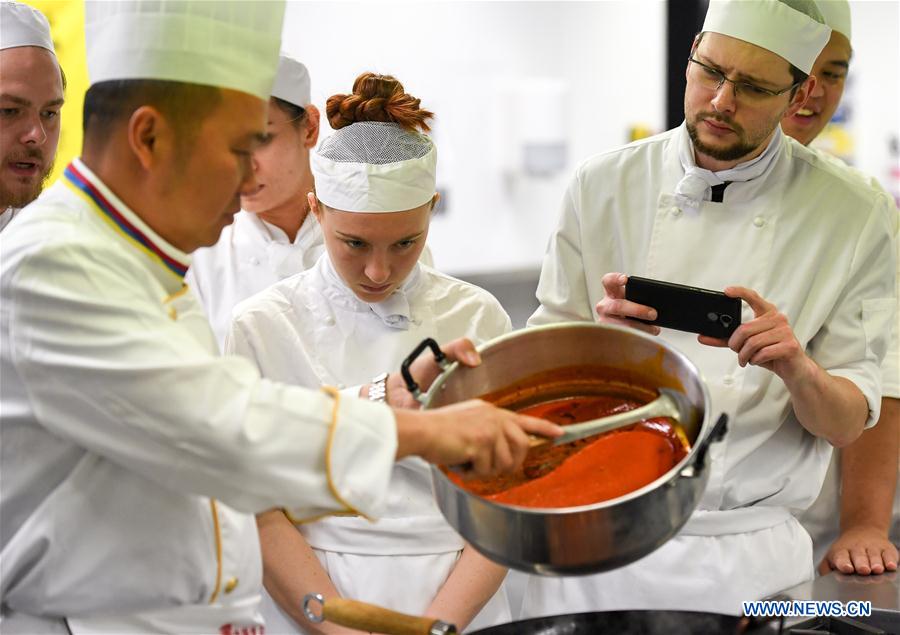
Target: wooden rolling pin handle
(375,619)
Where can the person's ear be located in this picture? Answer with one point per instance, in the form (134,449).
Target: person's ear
(150,137)
(314,206)
(799,99)
(313,119)
(434,201)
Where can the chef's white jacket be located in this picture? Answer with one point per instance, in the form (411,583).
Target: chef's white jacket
(251,255)
(809,238)
(311,329)
(133,456)
(7,215)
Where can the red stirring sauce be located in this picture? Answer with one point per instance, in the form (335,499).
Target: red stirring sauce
(592,470)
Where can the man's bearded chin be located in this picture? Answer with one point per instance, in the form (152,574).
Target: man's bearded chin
(19,197)
(728,153)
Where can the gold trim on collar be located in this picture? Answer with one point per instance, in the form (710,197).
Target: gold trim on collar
(174,296)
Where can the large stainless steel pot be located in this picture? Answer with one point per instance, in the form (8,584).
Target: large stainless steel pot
(589,538)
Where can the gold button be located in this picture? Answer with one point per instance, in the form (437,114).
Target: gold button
(231,585)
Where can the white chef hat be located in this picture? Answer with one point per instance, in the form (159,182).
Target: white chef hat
(772,25)
(372,166)
(21,25)
(837,15)
(226,43)
(292,82)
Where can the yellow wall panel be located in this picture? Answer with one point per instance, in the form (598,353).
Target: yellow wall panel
(66,19)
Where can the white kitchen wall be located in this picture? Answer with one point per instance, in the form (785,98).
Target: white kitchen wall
(477,65)
(875,94)
(489,71)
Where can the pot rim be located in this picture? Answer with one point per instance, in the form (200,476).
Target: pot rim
(673,473)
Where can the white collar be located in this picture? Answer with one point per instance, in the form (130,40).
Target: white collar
(307,235)
(696,184)
(126,223)
(395,311)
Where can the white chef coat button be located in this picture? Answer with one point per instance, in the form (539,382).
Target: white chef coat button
(675,211)
(231,585)
(759,221)
(254,260)
(728,380)
(329,321)
(341,386)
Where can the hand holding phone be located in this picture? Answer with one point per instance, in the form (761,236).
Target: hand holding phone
(613,308)
(685,308)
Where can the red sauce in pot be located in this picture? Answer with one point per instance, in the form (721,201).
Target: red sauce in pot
(591,470)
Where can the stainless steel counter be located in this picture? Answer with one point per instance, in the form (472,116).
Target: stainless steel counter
(882,590)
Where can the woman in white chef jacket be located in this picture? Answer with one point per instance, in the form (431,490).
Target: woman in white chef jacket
(368,301)
(274,236)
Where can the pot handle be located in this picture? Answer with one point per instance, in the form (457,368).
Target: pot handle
(439,357)
(696,467)
(371,618)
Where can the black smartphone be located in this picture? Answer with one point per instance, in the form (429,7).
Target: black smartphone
(686,308)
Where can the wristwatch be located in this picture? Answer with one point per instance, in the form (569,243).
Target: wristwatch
(378,388)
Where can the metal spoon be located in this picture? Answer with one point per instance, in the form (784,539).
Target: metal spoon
(670,403)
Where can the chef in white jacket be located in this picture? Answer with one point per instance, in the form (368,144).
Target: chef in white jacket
(274,235)
(368,301)
(133,456)
(31,96)
(726,201)
(850,520)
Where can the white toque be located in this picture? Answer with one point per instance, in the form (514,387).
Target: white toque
(225,43)
(772,25)
(21,25)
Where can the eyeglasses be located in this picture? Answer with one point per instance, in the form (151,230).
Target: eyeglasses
(712,79)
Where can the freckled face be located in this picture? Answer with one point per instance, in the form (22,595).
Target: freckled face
(374,253)
(281,164)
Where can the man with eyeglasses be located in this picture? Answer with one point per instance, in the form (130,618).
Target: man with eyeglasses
(726,201)
(850,520)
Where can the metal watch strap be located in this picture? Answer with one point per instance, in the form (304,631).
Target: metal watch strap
(442,628)
(378,388)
